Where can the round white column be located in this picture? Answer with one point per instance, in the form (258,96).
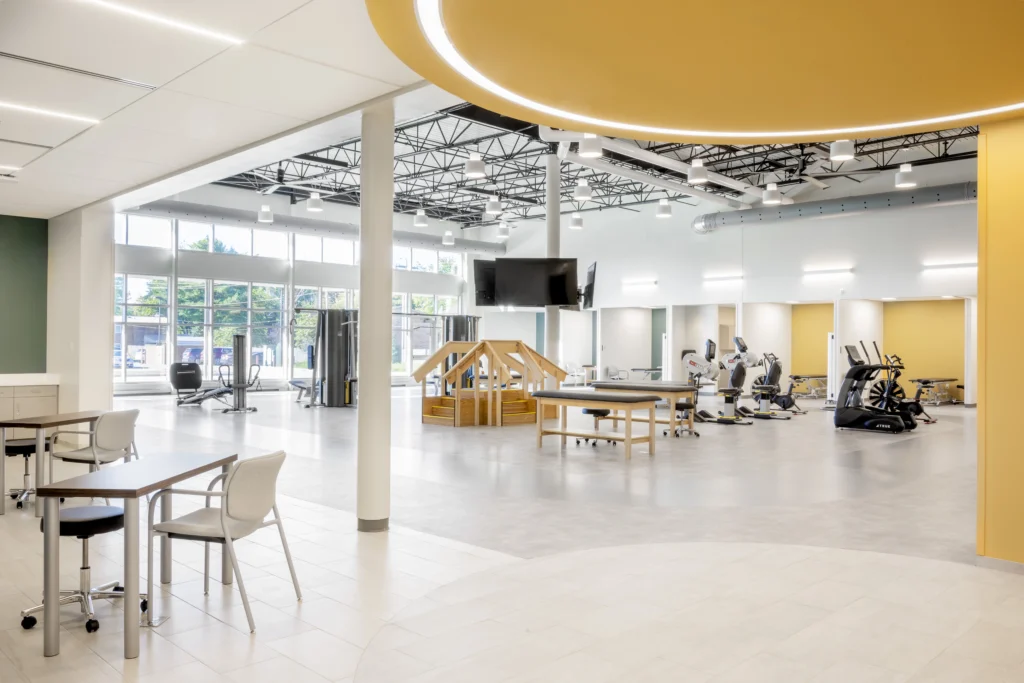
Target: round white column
(553,203)
(373,444)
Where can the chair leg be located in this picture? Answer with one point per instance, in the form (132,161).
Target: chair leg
(241,584)
(206,569)
(287,554)
(149,576)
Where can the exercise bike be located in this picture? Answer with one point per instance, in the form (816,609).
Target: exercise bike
(771,393)
(851,412)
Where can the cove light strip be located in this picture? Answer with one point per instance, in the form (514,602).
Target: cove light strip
(431,21)
(47,112)
(165,21)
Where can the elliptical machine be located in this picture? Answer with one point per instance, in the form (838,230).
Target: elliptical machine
(851,413)
(888,395)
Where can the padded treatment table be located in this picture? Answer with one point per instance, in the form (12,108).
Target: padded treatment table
(649,373)
(672,392)
(816,384)
(937,388)
(565,399)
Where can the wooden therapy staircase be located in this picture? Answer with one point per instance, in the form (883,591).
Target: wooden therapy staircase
(488,382)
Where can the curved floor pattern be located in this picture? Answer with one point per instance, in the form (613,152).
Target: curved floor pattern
(719,612)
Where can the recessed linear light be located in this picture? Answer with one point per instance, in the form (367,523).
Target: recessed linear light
(888,298)
(47,112)
(9,168)
(172,23)
(948,296)
(827,270)
(950,264)
(737,277)
(428,13)
(639,283)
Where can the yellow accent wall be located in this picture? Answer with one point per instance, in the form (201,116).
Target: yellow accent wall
(811,325)
(1000,282)
(928,336)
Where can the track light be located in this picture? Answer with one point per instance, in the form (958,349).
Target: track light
(582,192)
(771,195)
(265,215)
(314,203)
(493,206)
(475,166)
(905,177)
(590,146)
(448,239)
(841,150)
(9,169)
(503,232)
(576,221)
(664,209)
(697,175)
(421,219)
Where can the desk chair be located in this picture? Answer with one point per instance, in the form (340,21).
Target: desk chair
(112,438)
(84,523)
(24,448)
(574,373)
(249,495)
(615,373)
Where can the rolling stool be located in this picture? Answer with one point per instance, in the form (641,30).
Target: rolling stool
(25,448)
(683,407)
(598,413)
(84,523)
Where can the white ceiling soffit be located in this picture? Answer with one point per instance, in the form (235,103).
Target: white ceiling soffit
(223,215)
(169,99)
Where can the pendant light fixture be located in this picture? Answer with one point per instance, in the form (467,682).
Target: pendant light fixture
(697,175)
(503,231)
(590,146)
(448,239)
(421,219)
(475,166)
(841,150)
(314,203)
(582,192)
(905,177)
(493,207)
(576,221)
(265,215)
(664,209)
(771,195)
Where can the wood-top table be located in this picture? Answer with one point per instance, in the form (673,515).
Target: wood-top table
(40,424)
(128,482)
(672,392)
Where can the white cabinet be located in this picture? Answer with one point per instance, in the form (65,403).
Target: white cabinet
(27,401)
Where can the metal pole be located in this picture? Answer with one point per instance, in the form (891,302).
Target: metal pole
(553,200)
(373,445)
(51,576)
(165,545)
(131,575)
(40,466)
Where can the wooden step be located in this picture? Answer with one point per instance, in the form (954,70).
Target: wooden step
(439,420)
(442,411)
(447,399)
(508,407)
(518,418)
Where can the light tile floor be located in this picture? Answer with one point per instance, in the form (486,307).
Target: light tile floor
(510,564)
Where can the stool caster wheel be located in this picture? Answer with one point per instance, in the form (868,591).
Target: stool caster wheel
(28,622)
(594,444)
(697,434)
(665,433)
(92,626)
(144,605)
(62,501)
(14,496)
(19,505)
(577,442)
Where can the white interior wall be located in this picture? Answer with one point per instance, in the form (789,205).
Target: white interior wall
(971,351)
(624,339)
(858,320)
(577,332)
(508,325)
(768,328)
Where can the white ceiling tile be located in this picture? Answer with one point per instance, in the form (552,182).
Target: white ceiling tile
(221,125)
(120,141)
(266,80)
(77,35)
(63,91)
(337,33)
(124,171)
(39,130)
(15,154)
(238,18)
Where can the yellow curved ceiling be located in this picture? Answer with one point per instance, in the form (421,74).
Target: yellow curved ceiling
(740,71)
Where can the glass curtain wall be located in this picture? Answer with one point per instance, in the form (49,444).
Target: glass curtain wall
(209,311)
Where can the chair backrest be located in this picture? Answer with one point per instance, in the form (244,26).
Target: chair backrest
(774,373)
(186,376)
(115,431)
(613,372)
(738,377)
(251,487)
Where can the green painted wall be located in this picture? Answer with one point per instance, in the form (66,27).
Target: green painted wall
(22,294)
(657,329)
(539,346)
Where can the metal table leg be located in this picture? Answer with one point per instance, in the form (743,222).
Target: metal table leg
(51,576)
(131,577)
(3,469)
(227,575)
(40,466)
(165,543)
